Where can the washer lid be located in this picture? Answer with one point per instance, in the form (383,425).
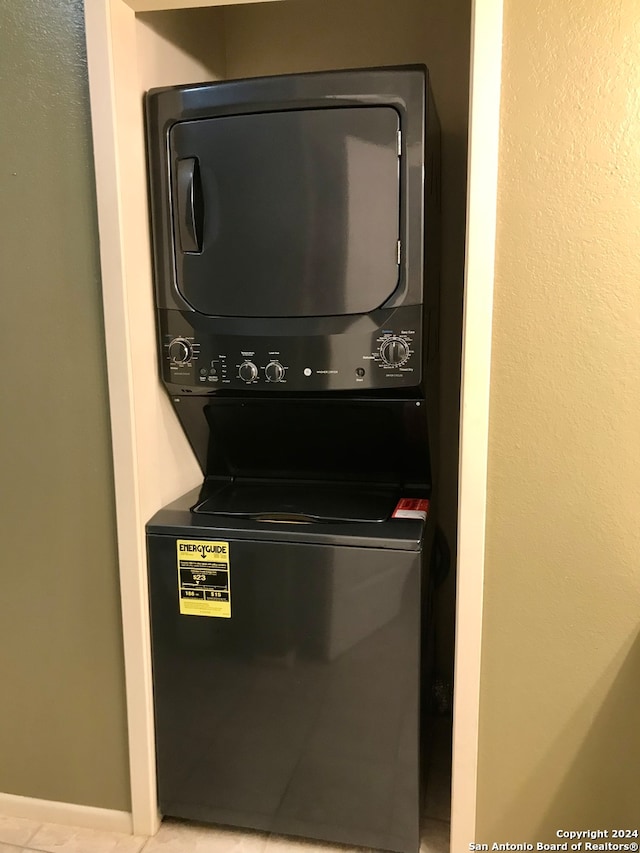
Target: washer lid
(298,502)
(177,520)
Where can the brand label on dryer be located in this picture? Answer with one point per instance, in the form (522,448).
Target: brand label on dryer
(204,587)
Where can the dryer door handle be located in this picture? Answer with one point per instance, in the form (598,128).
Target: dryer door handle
(190,206)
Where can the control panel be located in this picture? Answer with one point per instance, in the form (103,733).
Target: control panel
(197,362)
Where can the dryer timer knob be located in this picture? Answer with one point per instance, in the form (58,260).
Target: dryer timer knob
(394,351)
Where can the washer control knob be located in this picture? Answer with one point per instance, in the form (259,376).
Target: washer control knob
(394,351)
(180,351)
(248,371)
(274,371)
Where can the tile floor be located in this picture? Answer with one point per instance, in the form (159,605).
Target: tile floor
(18,835)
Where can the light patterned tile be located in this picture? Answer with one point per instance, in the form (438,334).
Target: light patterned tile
(53,838)
(284,844)
(435,837)
(11,848)
(17,830)
(180,837)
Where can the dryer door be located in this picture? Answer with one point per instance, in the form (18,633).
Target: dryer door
(287,214)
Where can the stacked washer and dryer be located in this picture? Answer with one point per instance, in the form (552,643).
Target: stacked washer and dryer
(296,240)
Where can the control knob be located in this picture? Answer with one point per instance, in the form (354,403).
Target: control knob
(394,351)
(248,371)
(180,351)
(274,371)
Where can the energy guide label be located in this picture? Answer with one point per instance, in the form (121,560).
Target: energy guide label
(204,587)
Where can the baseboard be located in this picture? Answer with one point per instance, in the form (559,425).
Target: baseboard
(71,814)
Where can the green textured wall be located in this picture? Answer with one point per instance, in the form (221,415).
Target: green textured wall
(62,719)
(560,689)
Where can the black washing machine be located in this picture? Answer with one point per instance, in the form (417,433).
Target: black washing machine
(289,618)
(287,657)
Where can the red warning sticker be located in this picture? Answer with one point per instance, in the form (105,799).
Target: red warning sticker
(411,508)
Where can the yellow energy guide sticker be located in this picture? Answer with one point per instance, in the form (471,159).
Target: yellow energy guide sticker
(204,587)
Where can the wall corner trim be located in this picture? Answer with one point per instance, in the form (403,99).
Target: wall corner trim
(69,814)
(482,187)
(110,34)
